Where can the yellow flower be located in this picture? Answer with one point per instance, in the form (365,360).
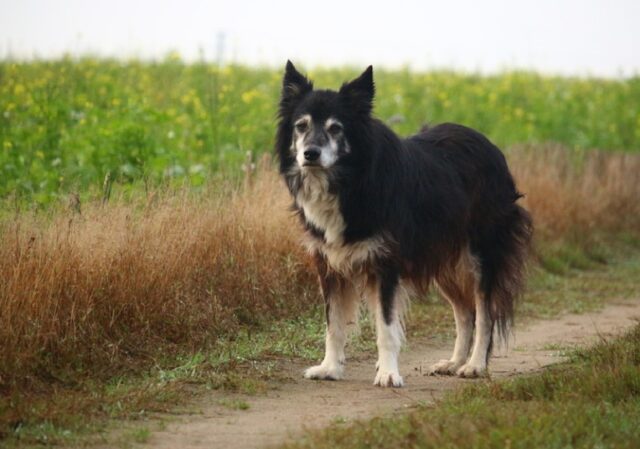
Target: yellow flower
(249,95)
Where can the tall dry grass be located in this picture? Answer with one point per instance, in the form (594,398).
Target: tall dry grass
(124,284)
(578,195)
(118,286)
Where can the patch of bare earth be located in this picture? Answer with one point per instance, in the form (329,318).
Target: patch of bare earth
(284,413)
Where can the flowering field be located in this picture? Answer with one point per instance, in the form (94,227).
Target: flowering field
(117,309)
(66,124)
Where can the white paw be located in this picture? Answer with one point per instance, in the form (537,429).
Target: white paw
(325,372)
(471,370)
(447,367)
(388,379)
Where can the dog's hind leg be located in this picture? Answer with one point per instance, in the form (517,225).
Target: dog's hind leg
(477,364)
(503,251)
(387,298)
(464,336)
(458,285)
(341,307)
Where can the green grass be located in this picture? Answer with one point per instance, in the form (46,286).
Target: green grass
(140,435)
(591,401)
(234,404)
(253,361)
(67,124)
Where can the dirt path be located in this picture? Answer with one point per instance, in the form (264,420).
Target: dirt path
(285,413)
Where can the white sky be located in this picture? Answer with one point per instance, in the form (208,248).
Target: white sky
(588,37)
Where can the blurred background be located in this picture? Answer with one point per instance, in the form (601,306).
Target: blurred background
(571,37)
(178,92)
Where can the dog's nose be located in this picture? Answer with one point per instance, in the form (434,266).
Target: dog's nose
(311,154)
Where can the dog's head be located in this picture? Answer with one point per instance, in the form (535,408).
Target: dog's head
(318,127)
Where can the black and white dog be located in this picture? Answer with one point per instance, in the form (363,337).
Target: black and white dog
(386,216)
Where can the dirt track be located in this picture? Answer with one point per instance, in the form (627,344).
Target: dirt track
(286,412)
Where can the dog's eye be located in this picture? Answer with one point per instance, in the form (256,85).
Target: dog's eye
(301,127)
(335,129)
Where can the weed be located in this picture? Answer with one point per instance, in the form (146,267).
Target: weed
(140,435)
(234,404)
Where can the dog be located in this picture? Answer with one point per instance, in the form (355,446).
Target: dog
(386,217)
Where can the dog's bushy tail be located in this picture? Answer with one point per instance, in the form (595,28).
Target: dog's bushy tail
(504,256)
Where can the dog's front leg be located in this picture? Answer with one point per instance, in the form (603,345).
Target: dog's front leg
(386,298)
(341,310)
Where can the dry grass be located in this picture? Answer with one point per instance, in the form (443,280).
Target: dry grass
(114,288)
(128,282)
(577,195)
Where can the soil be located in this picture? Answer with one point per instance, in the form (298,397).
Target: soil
(285,413)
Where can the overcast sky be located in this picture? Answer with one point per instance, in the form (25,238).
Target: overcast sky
(587,37)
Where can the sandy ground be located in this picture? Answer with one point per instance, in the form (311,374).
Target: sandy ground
(304,404)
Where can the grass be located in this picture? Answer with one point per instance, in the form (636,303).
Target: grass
(121,308)
(234,404)
(253,362)
(591,401)
(116,287)
(67,124)
(140,435)
(153,274)
(248,364)
(131,282)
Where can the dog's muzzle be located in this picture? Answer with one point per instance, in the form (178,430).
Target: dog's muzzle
(311,156)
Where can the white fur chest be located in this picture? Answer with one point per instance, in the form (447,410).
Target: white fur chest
(322,210)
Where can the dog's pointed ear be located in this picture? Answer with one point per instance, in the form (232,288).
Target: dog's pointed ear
(359,92)
(294,86)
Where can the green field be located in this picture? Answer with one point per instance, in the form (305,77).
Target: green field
(66,124)
(123,308)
